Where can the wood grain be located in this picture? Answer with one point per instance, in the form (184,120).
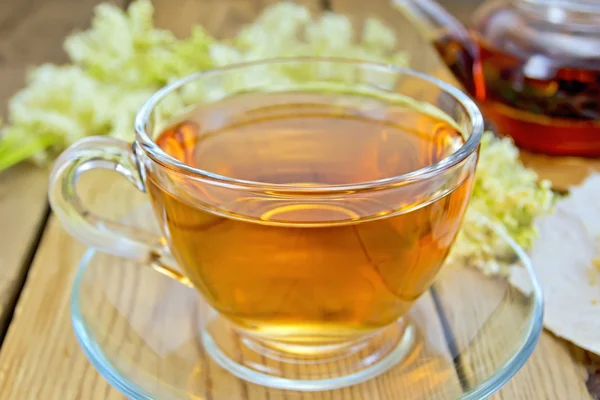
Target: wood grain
(563,172)
(462,9)
(31,33)
(422,55)
(23,211)
(486,336)
(228,15)
(40,357)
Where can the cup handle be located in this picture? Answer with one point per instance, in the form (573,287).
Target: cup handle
(99,233)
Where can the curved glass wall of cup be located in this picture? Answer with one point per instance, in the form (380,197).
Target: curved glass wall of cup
(351,85)
(140,331)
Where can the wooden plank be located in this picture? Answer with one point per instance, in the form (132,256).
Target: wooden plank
(31,32)
(40,357)
(23,211)
(563,172)
(462,9)
(228,15)
(422,55)
(550,359)
(485,335)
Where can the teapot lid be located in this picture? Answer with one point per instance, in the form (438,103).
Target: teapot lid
(586,6)
(578,14)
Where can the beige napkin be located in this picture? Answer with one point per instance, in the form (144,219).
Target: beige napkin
(564,258)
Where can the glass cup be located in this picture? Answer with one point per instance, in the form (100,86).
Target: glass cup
(302,272)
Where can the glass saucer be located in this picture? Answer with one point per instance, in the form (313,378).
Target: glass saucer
(468,335)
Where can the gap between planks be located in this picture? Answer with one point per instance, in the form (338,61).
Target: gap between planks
(10,302)
(39,27)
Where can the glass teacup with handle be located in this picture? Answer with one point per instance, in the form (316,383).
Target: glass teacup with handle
(309,201)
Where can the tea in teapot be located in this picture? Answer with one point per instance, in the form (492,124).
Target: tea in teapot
(532,65)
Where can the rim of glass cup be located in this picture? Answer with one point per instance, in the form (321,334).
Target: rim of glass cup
(158,155)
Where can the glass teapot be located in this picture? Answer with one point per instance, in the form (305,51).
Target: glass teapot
(533,66)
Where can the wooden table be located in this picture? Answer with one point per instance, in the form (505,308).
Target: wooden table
(39,355)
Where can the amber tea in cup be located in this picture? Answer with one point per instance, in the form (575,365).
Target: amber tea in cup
(316,271)
(310,202)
